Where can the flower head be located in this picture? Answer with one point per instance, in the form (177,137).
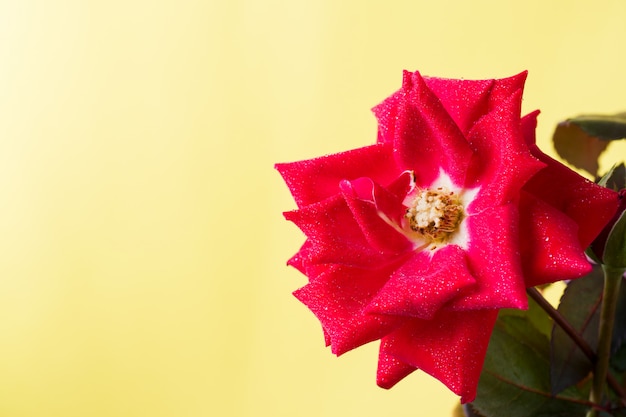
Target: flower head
(419,239)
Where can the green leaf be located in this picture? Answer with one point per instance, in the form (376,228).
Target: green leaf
(618,359)
(618,344)
(535,314)
(615,248)
(615,178)
(577,147)
(516,375)
(580,306)
(604,127)
(466,410)
(619,412)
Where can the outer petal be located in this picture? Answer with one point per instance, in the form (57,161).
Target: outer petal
(424,136)
(391,370)
(599,243)
(314,180)
(529,124)
(468,100)
(505,87)
(299,260)
(549,245)
(386,113)
(451,347)
(588,204)
(502,162)
(465,100)
(421,286)
(339,297)
(493,257)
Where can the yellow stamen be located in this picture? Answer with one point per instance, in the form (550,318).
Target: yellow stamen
(435,214)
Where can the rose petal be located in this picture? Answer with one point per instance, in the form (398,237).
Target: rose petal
(402,185)
(421,286)
(493,256)
(588,204)
(314,180)
(391,370)
(529,124)
(299,260)
(465,100)
(425,137)
(451,347)
(549,245)
(380,234)
(334,236)
(386,113)
(505,87)
(339,297)
(502,162)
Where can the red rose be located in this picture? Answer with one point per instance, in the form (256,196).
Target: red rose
(419,239)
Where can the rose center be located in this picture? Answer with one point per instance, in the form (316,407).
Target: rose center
(435,214)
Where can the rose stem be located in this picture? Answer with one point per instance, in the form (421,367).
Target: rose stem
(610,294)
(573,334)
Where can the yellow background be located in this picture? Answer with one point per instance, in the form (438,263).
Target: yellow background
(142,249)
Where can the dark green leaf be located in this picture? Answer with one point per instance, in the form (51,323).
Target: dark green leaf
(604,127)
(606,177)
(535,314)
(580,306)
(516,374)
(577,147)
(620,412)
(615,179)
(615,248)
(618,359)
(618,345)
(466,410)
(470,412)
